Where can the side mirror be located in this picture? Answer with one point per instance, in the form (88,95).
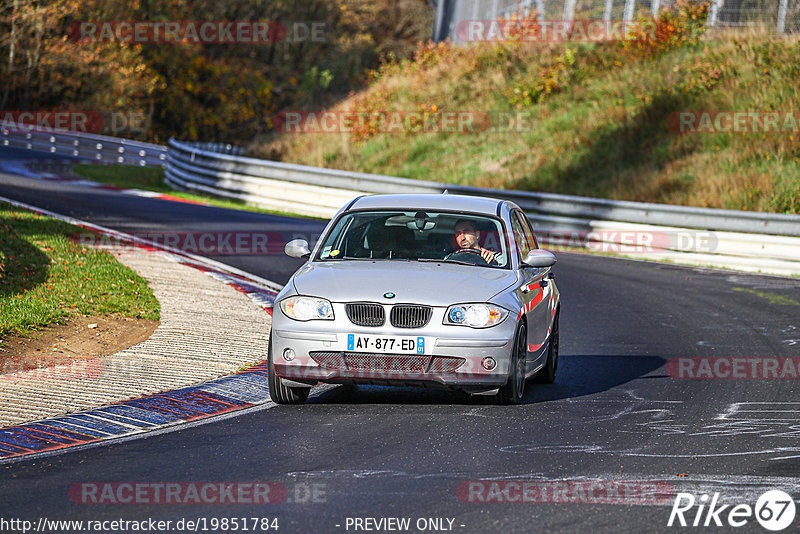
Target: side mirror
(539,258)
(297,248)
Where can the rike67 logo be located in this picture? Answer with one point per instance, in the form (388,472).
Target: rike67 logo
(774,510)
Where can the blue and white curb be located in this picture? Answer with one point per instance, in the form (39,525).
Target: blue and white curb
(245,389)
(158,412)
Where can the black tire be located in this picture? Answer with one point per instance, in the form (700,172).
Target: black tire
(277,391)
(548,373)
(514,389)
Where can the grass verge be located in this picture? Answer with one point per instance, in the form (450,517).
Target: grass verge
(46,277)
(152,179)
(598,118)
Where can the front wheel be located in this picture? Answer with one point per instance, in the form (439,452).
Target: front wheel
(514,389)
(277,391)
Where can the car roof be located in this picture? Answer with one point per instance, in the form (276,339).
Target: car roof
(483,205)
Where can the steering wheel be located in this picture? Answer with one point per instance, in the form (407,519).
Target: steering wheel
(469,255)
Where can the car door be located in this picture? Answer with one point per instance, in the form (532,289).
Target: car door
(534,296)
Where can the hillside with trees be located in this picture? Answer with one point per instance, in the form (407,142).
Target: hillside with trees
(209,91)
(599,119)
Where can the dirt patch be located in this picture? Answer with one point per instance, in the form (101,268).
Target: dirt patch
(81,338)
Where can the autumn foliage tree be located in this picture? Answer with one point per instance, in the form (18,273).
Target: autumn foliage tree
(208,91)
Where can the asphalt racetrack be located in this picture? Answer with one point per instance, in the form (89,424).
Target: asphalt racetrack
(607,448)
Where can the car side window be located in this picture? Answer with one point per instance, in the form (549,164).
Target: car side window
(526,227)
(523,245)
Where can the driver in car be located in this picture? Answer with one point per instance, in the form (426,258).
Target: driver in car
(467,240)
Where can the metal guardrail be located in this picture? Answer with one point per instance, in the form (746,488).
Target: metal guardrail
(771,16)
(92,147)
(541,204)
(235,174)
(702,236)
(274,185)
(741,240)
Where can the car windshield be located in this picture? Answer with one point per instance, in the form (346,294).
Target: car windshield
(417,236)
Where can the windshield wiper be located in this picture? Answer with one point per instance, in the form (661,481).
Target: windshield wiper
(340,258)
(459,262)
(353,258)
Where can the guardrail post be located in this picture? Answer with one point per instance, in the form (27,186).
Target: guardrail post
(627,17)
(607,10)
(540,10)
(782,16)
(569,10)
(713,13)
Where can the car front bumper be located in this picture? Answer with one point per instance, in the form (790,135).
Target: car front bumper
(452,356)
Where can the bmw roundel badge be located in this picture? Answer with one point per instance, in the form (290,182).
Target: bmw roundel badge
(389,295)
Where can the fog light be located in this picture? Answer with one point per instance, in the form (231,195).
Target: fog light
(488,363)
(288,355)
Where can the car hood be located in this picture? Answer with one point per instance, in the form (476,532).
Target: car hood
(435,284)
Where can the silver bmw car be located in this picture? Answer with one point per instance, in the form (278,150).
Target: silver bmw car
(418,290)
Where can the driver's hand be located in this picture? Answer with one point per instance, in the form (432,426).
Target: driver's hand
(488,255)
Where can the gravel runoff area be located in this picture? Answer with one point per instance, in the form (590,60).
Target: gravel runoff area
(208,329)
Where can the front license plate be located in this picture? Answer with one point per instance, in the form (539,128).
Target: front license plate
(386,344)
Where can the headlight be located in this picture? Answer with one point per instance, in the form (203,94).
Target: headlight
(307,308)
(475,315)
